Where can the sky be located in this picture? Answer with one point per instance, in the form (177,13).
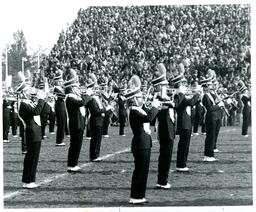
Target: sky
(41,21)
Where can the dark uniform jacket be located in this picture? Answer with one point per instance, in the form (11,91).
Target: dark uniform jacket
(199,111)
(27,113)
(97,117)
(181,103)
(73,105)
(45,113)
(121,105)
(141,139)
(166,126)
(213,111)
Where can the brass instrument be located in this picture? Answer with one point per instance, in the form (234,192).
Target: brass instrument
(219,99)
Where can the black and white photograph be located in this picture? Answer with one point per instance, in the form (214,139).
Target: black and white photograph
(127,105)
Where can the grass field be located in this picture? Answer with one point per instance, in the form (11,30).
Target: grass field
(227,182)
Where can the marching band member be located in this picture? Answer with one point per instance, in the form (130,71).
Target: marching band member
(75,104)
(211,117)
(29,113)
(45,112)
(6,118)
(60,114)
(60,108)
(103,83)
(166,128)
(97,112)
(141,141)
(58,80)
(246,99)
(183,106)
(220,113)
(199,114)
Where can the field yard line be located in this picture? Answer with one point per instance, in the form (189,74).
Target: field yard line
(51,179)
(224,131)
(16,193)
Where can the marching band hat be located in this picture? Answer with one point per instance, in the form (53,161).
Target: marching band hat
(91,81)
(71,79)
(133,88)
(179,75)
(160,75)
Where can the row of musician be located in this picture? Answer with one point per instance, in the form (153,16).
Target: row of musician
(165,95)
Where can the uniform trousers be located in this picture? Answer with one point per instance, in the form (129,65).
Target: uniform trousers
(106,123)
(211,126)
(199,121)
(246,123)
(23,140)
(31,161)
(196,124)
(61,126)
(14,123)
(140,173)
(183,148)
(76,139)
(44,120)
(51,121)
(164,161)
(95,142)
(88,129)
(43,130)
(6,127)
(122,124)
(218,125)
(67,131)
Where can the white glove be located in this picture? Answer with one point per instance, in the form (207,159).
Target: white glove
(89,91)
(41,94)
(109,107)
(156,103)
(221,104)
(229,101)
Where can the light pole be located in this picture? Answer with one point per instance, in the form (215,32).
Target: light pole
(6,63)
(22,64)
(38,57)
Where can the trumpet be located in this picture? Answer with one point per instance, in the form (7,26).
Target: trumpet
(190,91)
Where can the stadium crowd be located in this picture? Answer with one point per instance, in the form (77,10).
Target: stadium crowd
(120,41)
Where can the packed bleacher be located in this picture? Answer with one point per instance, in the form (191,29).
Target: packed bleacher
(120,41)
